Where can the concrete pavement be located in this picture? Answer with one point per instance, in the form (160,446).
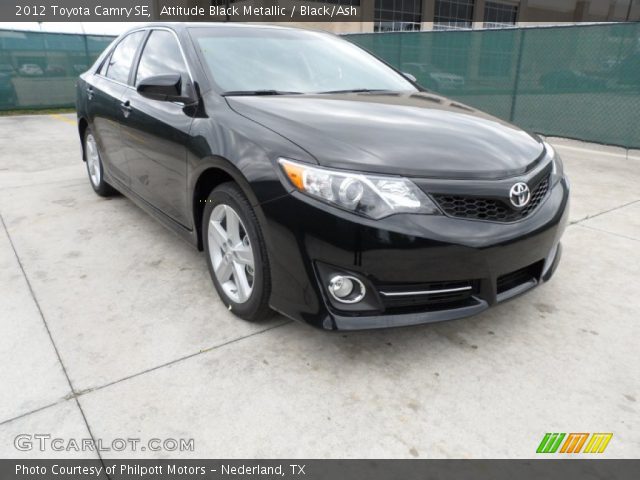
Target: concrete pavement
(111,329)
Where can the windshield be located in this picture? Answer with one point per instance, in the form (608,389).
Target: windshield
(290,61)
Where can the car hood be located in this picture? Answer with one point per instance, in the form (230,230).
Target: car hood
(410,134)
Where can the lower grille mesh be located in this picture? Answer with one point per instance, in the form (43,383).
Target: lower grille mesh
(435,301)
(513,279)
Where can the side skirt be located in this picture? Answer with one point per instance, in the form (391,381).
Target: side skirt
(184,233)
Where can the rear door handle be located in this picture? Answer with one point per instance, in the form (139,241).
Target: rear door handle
(89,93)
(126,108)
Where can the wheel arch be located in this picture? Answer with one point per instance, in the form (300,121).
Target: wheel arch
(83,124)
(216,171)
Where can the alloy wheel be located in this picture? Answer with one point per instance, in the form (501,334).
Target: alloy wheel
(93,160)
(231,253)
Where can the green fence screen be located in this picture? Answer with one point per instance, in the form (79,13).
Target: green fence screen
(578,81)
(39,70)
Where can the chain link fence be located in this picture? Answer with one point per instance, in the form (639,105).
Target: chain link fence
(39,70)
(578,81)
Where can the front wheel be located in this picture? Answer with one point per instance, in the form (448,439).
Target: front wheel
(94,165)
(236,253)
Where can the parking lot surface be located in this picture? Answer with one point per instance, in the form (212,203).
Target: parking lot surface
(110,328)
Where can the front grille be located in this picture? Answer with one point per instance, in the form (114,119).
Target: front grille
(490,209)
(459,295)
(514,279)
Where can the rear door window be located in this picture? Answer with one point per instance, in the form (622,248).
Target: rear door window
(105,64)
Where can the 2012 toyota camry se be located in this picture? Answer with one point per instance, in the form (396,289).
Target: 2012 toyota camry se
(319,181)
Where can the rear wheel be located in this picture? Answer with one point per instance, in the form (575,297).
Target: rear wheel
(236,253)
(94,165)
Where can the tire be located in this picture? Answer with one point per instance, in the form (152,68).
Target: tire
(232,269)
(93,162)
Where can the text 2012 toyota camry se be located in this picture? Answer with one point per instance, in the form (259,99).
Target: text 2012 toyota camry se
(319,181)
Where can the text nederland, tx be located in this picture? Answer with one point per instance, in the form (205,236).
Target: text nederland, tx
(171,469)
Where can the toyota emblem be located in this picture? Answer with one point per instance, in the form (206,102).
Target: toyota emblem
(520,195)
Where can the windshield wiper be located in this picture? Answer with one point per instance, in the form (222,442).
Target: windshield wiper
(356,90)
(239,93)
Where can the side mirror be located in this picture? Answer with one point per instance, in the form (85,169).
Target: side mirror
(166,88)
(408,76)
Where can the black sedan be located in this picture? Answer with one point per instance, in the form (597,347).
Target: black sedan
(320,182)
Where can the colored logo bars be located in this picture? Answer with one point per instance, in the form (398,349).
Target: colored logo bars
(574,442)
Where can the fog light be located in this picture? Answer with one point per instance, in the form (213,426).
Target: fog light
(341,286)
(346,289)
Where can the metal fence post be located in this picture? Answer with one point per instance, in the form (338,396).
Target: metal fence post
(516,81)
(86,48)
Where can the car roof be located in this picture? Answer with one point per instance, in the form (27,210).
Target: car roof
(180,26)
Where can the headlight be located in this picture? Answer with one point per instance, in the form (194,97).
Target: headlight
(371,195)
(557,169)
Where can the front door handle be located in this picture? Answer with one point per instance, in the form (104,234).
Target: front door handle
(126,108)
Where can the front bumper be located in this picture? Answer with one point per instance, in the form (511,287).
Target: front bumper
(308,241)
